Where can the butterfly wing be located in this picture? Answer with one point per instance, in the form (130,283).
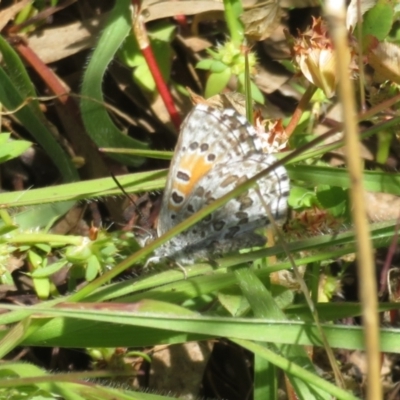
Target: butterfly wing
(232,226)
(209,138)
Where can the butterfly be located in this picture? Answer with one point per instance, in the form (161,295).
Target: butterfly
(217,150)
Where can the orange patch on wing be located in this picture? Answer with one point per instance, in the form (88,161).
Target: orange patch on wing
(198,168)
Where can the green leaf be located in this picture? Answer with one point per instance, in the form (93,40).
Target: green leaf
(333,199)
(378,20)
(79,254)
(233,301)
(93,268)
(42,287)
(44,247)
(300,197)
(217,82)
(143,78)
(4,138)
(35,260)
(162,30)
(12,149)
(40,216)
(218,66)
(256,94)
(7,229)
(130,53)
(163,54)
(48,270)
(205,64)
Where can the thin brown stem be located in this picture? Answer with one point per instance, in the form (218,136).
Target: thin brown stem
(335,10)
(301,107)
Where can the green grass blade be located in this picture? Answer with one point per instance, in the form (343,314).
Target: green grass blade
(97,122)
(374,181)
(14,89)
(319,388)
(161,322)
(95,188)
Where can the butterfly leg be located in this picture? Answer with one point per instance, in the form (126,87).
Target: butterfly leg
(157,260)
(182,268)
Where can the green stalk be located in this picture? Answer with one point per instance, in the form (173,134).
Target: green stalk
(233,10)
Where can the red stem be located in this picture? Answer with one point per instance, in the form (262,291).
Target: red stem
(141,35)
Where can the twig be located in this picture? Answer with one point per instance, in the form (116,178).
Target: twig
(336,14)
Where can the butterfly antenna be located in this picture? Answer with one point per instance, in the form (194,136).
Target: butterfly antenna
(127,195)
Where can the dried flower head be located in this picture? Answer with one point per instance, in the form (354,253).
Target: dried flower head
(314,54)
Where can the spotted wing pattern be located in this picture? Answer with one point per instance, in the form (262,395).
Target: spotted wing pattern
(217,151)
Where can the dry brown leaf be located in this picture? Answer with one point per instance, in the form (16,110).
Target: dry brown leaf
(154,9)
(234,100)
(384,57)
(260,22)
(197,44)
(299,3)
(180,368)
(58,43)
(358,358)
(382,206)
(277,46)
(271,79)
(72,222)
(9,13)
